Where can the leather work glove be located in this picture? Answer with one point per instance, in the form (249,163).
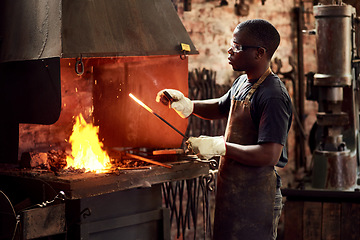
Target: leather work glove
(207,147)
(181,104)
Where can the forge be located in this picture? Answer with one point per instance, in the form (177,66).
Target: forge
(60,59)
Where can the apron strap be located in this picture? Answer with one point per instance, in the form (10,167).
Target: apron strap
(255,86)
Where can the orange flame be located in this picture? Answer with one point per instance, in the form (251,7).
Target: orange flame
(87,150)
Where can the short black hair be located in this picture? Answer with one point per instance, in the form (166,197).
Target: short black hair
(263,32)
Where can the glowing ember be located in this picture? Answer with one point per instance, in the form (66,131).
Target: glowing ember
(87,151)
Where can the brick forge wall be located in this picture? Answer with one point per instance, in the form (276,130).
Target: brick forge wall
(211,26)
(76,98)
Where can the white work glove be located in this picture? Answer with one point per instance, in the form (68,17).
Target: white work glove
(207,147)
(181,104)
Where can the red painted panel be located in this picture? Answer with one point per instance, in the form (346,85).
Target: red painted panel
(124,123)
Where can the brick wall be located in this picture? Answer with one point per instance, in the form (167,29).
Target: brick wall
(211,26)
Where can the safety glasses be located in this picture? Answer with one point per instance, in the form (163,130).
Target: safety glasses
(236,48)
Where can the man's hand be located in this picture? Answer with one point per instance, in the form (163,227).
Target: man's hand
(207,147)
(181,104)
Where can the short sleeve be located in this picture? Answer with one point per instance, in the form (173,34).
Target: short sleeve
(225,102)
(274,120)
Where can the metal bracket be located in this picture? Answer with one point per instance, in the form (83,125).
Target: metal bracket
(184,49)
(79,62)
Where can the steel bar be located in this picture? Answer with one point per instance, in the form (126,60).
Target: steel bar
(148,160)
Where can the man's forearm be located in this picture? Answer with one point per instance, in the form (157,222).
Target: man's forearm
(259,155)
(207,109)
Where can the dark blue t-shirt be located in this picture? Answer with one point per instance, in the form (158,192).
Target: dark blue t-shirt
(270,109)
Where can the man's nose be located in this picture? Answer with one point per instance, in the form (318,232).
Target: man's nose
(230,51)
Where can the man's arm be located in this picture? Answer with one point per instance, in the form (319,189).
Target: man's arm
(265,154)
(208,109)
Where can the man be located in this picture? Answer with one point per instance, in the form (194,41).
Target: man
(258,107)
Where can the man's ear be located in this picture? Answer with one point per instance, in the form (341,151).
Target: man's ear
(260,52)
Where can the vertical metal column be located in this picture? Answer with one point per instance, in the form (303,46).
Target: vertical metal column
(334,163)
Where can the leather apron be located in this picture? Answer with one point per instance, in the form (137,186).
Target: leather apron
(245,195)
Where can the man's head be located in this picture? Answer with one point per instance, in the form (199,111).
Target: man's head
(262,33)
(253,44)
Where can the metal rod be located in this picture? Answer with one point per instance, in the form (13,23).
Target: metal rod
(157,115)
(148,160)
(170,125)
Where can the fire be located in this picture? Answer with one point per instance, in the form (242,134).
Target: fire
(86,148)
